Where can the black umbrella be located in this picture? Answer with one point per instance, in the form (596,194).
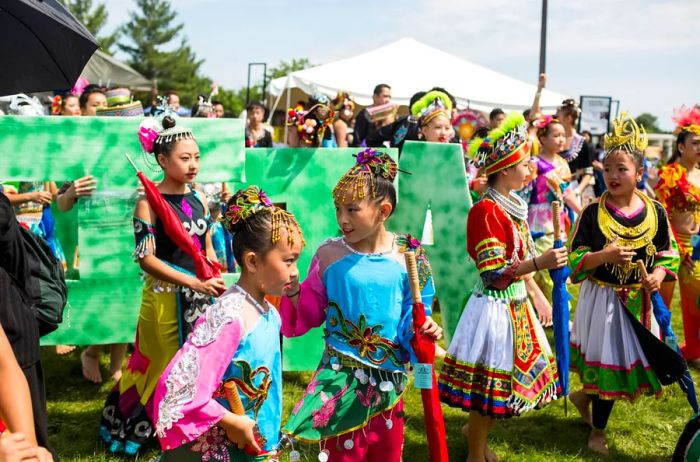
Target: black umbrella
(43,46)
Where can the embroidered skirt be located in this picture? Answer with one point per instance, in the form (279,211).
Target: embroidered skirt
(211,446)
(499,362)
(605,350)
(343,396)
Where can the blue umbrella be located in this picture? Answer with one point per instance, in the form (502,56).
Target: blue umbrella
(663,318)
(560,308)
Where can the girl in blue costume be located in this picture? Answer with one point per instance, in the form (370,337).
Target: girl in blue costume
(358,287)
(236,340)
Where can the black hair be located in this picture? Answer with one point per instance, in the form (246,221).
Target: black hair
(384,189)
(544,131)
(570,107)
(253,234)
(526,114)
(453,101)
(636,155)
(378,89)
(215,102)
(171,93)
(254,104)
(680,139)
(89,90)
(495,113)
(164,147)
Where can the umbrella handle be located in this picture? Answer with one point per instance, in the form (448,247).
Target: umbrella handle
(556,219)
(642,268)
(412,270)
(131,162)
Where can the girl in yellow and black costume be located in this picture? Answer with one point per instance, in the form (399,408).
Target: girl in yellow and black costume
(608,239)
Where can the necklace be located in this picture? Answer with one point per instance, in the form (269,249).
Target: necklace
(252,301)
(632,237)
(513,204)
(349,247)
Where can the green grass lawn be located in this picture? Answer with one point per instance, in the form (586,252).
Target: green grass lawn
(646,431)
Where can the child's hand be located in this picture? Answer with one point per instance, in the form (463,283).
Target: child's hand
(239,429)
(543,309)
(616,254)
(688,263)
(552,259)
(652,283)
(42,197)
(213,286)
(431,329)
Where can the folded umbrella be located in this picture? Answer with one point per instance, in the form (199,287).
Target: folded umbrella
(560,307)
(424,348)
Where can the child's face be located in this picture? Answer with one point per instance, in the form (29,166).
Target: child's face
(71,107)
(438,130)
(182,164)
(256,114)
(620,173)
(361,219)
(278,267)
(555,141)
(94,101)
(690,149)
(518,175)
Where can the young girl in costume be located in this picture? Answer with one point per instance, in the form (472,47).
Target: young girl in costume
(236,341)
(499,363)
(609,237)
(357,286)
(173,297)
(551,183)
(678,190)
(434,114)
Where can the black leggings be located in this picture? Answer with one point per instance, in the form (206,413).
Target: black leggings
(601,412)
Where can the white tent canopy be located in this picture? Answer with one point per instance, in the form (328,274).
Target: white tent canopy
(409,66)
(106,70)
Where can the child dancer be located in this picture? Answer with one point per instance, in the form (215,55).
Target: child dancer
(358,286)
(434,114)
(499,363)
(173,298)
(551,183)
(678,190)
(236,341)
(609,236)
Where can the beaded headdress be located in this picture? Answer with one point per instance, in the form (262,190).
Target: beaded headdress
(503,147)
(361,177)
(151,130)
(247,202)
(687,119)
(431,105)
(626,135)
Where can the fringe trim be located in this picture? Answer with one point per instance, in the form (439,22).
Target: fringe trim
(142,248)
(520,405)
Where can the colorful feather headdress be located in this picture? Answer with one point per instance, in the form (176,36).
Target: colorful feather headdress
(503,147)
(687,119)
(431,105)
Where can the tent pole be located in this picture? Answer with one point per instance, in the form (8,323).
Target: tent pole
(277,101)
(289,96)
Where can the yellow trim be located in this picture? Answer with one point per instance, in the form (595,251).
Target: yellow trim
(488,241)
(634,286)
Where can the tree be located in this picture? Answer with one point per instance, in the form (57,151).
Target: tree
(94,19)
(649,121)
(284,68)
(150,32)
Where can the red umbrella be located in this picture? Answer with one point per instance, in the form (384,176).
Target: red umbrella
(424,348)
(204,268)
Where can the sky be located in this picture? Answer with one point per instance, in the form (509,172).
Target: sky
(643,53)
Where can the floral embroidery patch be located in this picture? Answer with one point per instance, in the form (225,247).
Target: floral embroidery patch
(212,445)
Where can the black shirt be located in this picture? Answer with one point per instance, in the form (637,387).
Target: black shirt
(17,316)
